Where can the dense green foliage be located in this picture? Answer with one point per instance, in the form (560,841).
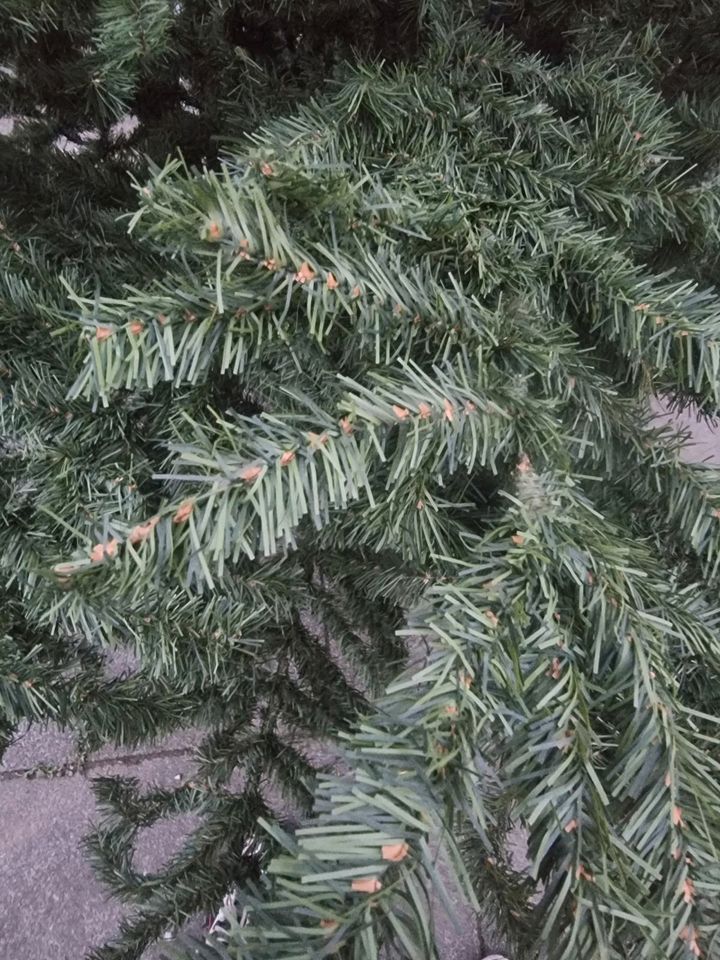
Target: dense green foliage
(97,91)
(383,364)
(186,74)
(453,261)
(687,34)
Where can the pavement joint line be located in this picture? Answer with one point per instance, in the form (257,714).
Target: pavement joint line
(80,765)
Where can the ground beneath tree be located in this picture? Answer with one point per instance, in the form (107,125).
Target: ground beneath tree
(52,907)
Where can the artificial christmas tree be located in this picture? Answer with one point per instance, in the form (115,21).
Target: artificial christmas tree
(388,366)
(447,265)
(90,94)
(685,35)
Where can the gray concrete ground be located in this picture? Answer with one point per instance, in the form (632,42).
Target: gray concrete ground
(51,905)
(704,445)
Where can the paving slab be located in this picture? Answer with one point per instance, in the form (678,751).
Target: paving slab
(52,907)
(39,744)
(704,443)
